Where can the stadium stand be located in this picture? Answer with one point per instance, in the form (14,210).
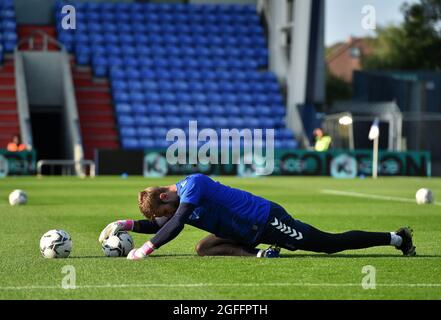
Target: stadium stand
(171,63)
(9,124)
(95,111)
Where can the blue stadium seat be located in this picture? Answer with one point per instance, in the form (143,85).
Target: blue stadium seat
(143,132)
(151,97)
(248,111)
(140,109)
(128,132)
(157,120)
(117,73)
(290,144)
(263,111)
(133,73)
(236,122)
(166,86)
(252,122)
(214,98)
(160,132)
(230,98)
(187,109)
(125,120)
(121,97)
(146,143)
(245,99)
(162,143)
(199,97)
(232,109)
(218,110)
(278,144)
(108,17)
(205,122)
(123,108)
(168,97)
(184,97)
(221,122)
(142,120)
(266,123)
(135,85)
(82,55)
(137,97)
(170,109)
(130,143)
(286,134)
(150,85)
(172,121)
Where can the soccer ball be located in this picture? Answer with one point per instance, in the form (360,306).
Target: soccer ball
(118,245)
(55,244)
(424,196)
(18,197)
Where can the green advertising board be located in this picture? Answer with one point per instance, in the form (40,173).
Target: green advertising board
(17,163)
(336,163)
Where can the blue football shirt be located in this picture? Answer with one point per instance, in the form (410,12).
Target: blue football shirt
(227,212)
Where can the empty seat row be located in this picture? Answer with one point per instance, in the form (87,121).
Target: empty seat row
(146,143)
(150,17)
(172,62)
(210,111)
(149,52)
(176,74)
(129,39)
(143,28)
(157,7)
(160,132)
(205,122)
(186,97)
(149,8)
(246,63)
(206,86)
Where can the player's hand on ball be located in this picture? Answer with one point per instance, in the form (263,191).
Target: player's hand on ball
(111,229)
(136,254)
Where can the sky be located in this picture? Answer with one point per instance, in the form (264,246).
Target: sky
(344,17)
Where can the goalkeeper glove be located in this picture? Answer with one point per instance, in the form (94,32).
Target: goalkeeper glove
(143,252)
(113,228)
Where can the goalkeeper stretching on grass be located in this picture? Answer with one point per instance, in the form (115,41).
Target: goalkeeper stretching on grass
(238,222)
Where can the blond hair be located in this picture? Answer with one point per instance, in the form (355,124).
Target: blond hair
(149,201)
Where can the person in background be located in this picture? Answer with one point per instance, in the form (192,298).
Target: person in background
(322,141)
(16,145)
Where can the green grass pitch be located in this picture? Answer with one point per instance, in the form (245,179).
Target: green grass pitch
(83,207)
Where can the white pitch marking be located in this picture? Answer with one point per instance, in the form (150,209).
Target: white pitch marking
(370,196)
(202,285)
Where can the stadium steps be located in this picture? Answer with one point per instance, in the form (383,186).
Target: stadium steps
(24,31)
(9,123)
(95,110)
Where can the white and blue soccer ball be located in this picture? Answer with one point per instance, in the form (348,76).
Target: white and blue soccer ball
(18,197)
(55,244)
(424,196)
(118,245)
